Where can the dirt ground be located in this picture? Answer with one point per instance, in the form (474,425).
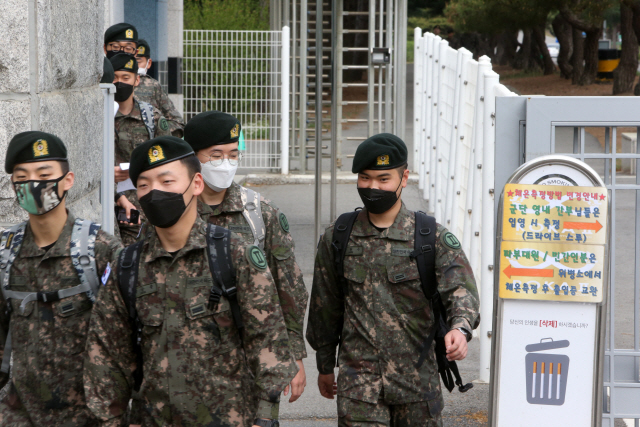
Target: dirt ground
(537,84)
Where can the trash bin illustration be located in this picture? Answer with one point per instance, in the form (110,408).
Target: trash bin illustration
(546,373)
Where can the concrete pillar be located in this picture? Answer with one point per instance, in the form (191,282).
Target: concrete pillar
(175,27)
(49,74)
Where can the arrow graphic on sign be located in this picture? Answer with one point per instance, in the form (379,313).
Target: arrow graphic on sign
(529,272)
(596,226)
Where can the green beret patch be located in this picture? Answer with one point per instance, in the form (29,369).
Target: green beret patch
(256,257)
(155,154)
(450,240)
(164,125)
(284,222)
(40,148)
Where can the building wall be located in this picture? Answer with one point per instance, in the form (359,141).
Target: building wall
(49,74)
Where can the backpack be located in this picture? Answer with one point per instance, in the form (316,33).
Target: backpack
(223,284)
(253,215)
(82,253)
(146,111)
(425,255)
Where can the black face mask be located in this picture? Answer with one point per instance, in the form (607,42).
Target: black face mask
(378,201)
(163,208)
(112,53)
(123,91)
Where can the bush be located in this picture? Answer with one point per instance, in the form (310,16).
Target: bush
(247,15)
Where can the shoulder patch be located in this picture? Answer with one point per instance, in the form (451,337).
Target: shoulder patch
(256,257)
(284,222)
(450,240)
(164,125)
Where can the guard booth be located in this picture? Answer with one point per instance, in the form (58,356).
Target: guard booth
(588,129)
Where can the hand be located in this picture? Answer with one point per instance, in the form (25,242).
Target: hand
(298,383)
(327,385)
(123,202)
(121,175)
(456,345)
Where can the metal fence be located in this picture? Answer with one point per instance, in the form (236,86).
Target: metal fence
(454,143)
(244,73)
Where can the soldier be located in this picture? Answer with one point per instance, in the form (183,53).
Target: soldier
(149,90)
(136,121)
(377,310)
(51,271)
(214,136)
(120,38)
(205,344)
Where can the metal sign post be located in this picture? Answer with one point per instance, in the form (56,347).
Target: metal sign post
(550,293)
(108,159)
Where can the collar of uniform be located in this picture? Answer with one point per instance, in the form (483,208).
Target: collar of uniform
(61,248)
(401,228)
(232,201)
(204,210)
(135,111)
(197,240)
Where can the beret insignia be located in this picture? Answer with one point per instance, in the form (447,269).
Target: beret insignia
(141,50)
(155,154)
(129,33)
(383,160)
(129,64)
(235,131)
(40,148)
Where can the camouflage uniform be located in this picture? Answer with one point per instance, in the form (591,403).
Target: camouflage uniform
(149,90)
(130,131)
(46,387)
(197,371)
(385,317)
(279,246)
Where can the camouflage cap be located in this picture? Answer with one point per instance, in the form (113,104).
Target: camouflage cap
(156,152)
(33,146)
(122,32)
(124,62)
(212,128)
(144,49)
(380,152)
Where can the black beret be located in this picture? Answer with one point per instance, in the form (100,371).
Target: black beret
(212,128)
(380,152)
(124,62)
(33,146)
(144,49)
(121,32)
(156,152)
(107,72)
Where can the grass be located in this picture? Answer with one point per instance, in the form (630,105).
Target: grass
(410,50)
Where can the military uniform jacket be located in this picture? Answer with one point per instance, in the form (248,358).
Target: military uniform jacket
(279,247)
(197,372)
(383,312)
(149,90)
(48,341)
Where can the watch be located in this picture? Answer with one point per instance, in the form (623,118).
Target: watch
(266,423)
(464,332)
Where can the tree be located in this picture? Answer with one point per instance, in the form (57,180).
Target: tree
(562,31)
(625,74)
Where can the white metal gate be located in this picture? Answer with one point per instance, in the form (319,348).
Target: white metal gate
(602,132)
(244,73)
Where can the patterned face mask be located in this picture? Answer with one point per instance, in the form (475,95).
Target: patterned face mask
(38,197)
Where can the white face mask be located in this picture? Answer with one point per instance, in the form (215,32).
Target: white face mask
(219,178)
(143,71)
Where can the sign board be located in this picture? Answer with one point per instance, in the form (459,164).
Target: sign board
(550,286)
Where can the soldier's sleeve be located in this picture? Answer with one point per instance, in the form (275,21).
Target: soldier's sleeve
(169,111)
(456,283)
(4,330)
(109,357)
(326,307)
(287,276)
(162,124)
(265,339)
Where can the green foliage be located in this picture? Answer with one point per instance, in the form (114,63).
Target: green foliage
(226,15)
(496,16)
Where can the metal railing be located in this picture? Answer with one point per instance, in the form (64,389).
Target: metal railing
(454,149)
(244,73)
(107,183)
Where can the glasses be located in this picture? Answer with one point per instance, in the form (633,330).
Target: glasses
(216,159)
(126,49)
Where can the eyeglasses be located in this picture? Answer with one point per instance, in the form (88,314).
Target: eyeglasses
(126,49)
(216,159)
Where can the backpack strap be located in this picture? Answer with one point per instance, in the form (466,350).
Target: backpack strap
(252,213)
(128,266)
(146,111)
(222,272)
(425,255)
(341,232)
(83,256)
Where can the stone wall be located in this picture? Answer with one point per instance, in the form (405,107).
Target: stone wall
(50,65)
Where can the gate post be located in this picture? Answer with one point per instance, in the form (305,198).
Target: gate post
(284,102)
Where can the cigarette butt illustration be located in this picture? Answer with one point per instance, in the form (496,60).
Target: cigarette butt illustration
(550,379)
(558,375)
(542,379)
(535,367)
